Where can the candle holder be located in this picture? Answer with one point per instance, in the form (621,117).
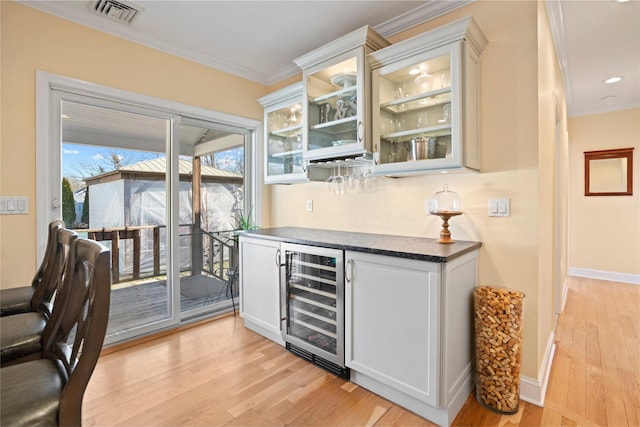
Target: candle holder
(445,204)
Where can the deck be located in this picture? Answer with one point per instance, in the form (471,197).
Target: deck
(134,304)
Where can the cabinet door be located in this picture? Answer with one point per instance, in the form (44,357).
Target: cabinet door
(417,106)
(260,286)
(283,136)
(392,312)
(334,108)
(425,100)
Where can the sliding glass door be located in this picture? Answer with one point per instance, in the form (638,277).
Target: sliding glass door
(114,165)
(158,183)
(211,190)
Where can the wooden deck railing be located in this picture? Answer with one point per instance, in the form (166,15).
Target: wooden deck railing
(221,252)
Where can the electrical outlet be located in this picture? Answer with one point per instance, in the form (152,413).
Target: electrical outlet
(309,205)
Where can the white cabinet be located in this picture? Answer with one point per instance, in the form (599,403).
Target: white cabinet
(426,96)
(392,322)
(260,286)
(408,330)
(283,136)
(337,96)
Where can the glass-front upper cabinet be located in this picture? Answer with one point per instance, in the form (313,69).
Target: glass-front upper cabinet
(426,101)
(283,136)
(337,96)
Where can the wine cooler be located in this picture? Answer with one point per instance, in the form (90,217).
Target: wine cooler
(312,305)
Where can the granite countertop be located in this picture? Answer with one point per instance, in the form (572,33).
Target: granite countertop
(419,248)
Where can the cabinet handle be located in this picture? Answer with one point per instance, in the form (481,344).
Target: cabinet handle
(360,131)
(347,270)
(278,257)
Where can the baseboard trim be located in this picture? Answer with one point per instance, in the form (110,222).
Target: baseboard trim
(534,390)
(612,276)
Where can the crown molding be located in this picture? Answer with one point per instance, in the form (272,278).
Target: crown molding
(427,12)
(430,10)
(556,24)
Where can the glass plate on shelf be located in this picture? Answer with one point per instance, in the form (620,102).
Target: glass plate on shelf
(344,79)
(343,142)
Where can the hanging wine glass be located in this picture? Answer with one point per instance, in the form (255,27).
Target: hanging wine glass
(331,179)
(338,181)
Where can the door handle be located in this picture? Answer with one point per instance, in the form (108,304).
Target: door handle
(347,270)
(278,257)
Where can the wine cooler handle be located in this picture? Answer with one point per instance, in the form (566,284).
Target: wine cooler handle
(348,270)
(283,289)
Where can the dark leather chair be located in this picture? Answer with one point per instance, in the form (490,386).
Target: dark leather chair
(49,391)
(24,299)
(21,334)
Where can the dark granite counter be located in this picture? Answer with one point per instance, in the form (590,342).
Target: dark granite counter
(419,248)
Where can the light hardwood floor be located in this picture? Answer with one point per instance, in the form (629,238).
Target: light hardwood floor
(221,374)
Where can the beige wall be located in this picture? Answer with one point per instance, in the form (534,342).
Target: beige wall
(515,143)
(33,40)
(517,122)
(604,230)
(552,160)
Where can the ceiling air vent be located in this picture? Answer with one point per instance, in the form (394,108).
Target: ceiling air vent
(116,10)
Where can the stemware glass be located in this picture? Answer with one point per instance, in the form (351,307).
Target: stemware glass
(293,118)
(331,180)
(446,111)
(338,182)
(348,176)
(423,82)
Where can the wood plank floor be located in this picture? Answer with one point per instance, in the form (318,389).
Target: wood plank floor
(221,374)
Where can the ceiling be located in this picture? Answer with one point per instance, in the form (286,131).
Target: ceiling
(258,40)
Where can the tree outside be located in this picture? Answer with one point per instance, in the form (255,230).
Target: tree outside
(68,204)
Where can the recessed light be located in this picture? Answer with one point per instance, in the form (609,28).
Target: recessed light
(414,71)
(613,80)
(622,1)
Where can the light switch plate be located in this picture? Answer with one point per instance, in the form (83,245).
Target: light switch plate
(14,205)
(499,207)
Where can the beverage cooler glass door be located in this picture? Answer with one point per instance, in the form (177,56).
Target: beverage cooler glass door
(312,295)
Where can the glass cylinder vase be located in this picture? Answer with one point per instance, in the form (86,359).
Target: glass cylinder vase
(498,335)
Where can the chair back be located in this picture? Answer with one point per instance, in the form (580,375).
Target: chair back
(49,252)
(53,275)
(75,332)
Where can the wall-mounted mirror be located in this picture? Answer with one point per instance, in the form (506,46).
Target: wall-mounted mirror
(608,172)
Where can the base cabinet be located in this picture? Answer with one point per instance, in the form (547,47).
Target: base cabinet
(392,322)
(408,333)
(260,286)
(408,330)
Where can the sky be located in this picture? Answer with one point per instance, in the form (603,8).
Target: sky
(80,159)
(83,160)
